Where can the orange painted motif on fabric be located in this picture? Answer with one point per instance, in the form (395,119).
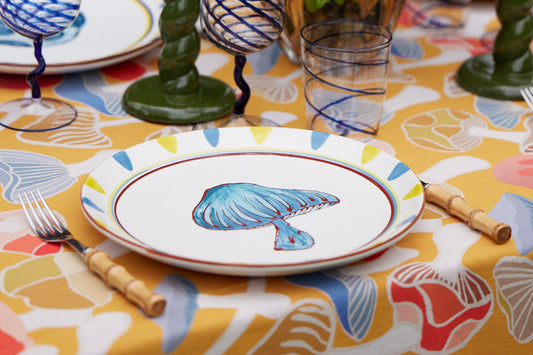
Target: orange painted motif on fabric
(30,244)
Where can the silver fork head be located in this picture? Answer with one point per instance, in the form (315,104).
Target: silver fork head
(41,218)
(527,95)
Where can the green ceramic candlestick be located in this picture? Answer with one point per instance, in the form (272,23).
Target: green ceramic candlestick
(502,73)
(179,95)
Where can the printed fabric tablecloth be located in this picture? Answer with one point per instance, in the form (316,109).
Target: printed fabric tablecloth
(444,288)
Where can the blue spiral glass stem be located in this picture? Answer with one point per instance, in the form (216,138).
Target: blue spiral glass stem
(32,77)
(242,101)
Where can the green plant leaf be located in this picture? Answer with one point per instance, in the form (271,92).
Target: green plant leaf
(314,5)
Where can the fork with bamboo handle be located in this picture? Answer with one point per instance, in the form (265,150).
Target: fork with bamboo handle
(49,228)
(475,218)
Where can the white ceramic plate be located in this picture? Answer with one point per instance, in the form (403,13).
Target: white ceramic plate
(105,33)
(338,199)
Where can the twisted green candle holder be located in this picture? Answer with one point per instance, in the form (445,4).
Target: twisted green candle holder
(502,73)
(179,94)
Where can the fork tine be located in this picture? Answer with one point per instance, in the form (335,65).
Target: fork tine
(40,217)
(51,218)
(527,95)
(29,215)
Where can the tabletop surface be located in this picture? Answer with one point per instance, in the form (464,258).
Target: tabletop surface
(443,288)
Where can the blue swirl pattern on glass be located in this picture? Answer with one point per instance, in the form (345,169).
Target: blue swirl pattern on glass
(38,18)
(242,27)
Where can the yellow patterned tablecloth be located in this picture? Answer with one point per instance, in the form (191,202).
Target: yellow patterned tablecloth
(443,289)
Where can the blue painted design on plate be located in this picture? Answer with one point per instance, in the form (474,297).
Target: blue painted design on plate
(212,135)
(318,139)
(123,159)
(398,171)
(245,206)
(88,202)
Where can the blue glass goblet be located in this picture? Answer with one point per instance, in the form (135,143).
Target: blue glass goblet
(37,19)
(242,27)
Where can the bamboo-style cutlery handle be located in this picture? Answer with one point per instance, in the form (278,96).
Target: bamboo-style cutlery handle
(474,218)
(118,277)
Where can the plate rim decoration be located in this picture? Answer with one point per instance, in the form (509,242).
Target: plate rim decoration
(151,39)
(103,191)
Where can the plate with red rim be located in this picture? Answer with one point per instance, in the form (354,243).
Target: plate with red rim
(105,33)
(253,201)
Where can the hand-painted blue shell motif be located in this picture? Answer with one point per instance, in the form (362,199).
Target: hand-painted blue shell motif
(245,206)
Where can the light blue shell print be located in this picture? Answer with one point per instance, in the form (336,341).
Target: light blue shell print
(244,206)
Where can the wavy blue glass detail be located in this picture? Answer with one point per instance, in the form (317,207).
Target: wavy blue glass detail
(242,27)
(39,19)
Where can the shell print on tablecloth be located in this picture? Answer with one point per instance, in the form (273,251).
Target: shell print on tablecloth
(514,282)
(15,239)
(246,206)
(517,211)
(64,272)
(307,328)
(354,297)
(22,171)
(452,130)
(181,295)
(184,300)
(275,89)
(448,308)
(84,132)
(92,89)
(444,130)
(502,114)
(352,290)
